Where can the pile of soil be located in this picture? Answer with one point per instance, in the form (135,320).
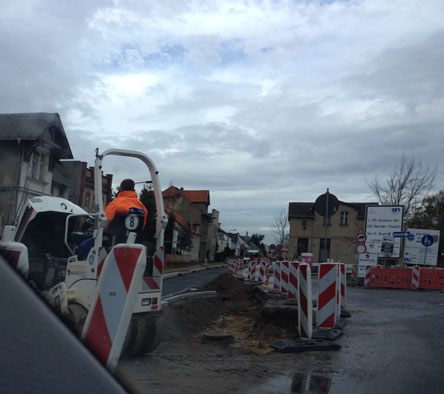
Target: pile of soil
(239,308)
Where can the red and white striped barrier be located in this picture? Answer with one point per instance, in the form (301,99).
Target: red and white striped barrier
(230,266)
(305,303)
(367,275)
(277,276)
(415,277)
(284,277)
(110,314)
(251,270)
(343,285)
(293,280)
(338,292)
(328,277)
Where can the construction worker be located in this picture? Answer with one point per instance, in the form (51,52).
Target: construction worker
(126,202)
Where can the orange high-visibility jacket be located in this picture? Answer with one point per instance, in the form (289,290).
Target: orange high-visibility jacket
(122,204)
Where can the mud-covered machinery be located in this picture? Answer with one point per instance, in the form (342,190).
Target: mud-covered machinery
(48,248)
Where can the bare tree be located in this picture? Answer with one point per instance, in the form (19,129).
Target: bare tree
(280,227)
(408,185)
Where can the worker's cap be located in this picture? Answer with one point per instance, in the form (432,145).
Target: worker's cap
(127,184)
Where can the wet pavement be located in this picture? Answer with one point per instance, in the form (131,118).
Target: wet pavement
(184,281)
(393,343)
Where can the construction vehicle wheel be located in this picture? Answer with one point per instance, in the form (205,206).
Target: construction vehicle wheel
(77,317)
(143,336)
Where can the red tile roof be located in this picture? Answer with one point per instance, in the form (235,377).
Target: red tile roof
(179,218)
(193,196)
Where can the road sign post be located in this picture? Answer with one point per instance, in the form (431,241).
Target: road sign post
(427,241)
(326,205)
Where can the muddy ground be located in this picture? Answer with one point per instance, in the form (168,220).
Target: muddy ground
(184,364)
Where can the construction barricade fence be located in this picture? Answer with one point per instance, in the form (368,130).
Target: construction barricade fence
(405,278)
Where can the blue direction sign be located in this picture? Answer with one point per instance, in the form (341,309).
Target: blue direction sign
(401,234)
(427,240)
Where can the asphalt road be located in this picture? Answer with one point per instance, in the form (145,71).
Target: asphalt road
(393,343)
(184,281)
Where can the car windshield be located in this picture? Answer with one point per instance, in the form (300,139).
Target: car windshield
(231,196)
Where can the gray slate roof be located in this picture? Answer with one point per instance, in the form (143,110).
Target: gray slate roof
(32,126)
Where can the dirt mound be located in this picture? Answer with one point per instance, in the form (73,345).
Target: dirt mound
(184,319)
(237,309)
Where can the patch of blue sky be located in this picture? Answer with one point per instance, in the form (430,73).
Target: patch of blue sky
(132,55)
(232,51)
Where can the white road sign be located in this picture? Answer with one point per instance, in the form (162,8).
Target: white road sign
(415,250)
(364,260)
(380,223)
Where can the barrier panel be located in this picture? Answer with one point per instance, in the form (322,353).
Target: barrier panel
(415,277)
(277,276)
(305,303)
(367,275)
(327,311)
(431,278)
(396,278)
(284,277)
(293,279)
(251,270)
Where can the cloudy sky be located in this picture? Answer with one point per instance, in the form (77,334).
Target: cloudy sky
(261,102)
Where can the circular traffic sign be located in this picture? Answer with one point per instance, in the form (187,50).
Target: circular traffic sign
(361,248)
(427,240)
(321,204)
(361,237)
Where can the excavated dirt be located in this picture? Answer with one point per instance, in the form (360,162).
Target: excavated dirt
(183,364)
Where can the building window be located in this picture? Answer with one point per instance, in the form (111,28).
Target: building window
(35,166)
(87,198)
(42,168)
(344,218)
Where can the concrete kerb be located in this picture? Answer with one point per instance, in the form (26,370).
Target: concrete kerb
(186,296)
(181,273)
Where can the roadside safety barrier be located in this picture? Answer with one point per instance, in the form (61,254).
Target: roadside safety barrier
(328,275)
(293,279)
(305,303)
(405,278)
(284,277)
(277,276)
(415,277)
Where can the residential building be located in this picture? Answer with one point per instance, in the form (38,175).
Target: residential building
(307,231)
(31,145)
(193,206)
(186,241)
(74,180)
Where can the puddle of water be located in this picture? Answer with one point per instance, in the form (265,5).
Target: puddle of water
(310,384)
(298,384)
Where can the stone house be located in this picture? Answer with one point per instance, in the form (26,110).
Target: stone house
(307,231)
(31,145)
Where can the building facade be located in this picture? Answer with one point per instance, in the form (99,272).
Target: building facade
(74,180)
(193,206)
(31,145)
(307,231)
